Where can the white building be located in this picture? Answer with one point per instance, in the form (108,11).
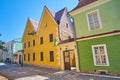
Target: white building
(11,48)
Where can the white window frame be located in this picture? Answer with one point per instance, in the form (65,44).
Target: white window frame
(106,55)
(99,19)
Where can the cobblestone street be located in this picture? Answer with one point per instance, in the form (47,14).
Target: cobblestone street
(16,72)
(3,78)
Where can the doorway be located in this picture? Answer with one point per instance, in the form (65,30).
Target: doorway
(69,60)
(20,59)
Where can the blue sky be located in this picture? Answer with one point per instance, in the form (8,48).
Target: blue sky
(14,14)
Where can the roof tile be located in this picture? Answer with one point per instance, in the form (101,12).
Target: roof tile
(83,3)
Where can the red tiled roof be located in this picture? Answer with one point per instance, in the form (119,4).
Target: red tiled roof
(83,3)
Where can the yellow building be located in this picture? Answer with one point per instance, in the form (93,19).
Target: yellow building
(28,41)
(40,39)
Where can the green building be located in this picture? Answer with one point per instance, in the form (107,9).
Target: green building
(97,26)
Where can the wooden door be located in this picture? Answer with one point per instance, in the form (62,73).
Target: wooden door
(67,60)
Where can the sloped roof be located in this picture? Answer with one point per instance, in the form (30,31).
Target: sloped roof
(59,14)
(66,41)
(52,13)
(83,3)
(56,16)
(34,23)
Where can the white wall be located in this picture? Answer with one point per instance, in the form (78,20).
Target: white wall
(63,30)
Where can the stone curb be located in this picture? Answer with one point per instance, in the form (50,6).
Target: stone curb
(106,76)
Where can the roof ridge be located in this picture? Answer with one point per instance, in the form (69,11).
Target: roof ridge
(50,11)
(33,19)
(61,9)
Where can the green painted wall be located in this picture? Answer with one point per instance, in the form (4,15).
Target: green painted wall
(110,18)
(113,50)
(17,45)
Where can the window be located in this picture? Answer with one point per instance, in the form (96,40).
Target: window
(33,42)
(28,56)
(33,56)
(45,24)
(24,57)
(51,56)
(29,44)
(69,37)
(41,56)
(41,40)
(100,55)
(93,19)
(51,37)
(24,45)
(66,25)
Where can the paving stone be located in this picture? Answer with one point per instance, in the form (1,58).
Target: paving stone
(40,73)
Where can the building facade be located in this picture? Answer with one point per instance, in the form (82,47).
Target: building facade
(40,39)
(11,47)
(97,35)
(17,57)
(1,55)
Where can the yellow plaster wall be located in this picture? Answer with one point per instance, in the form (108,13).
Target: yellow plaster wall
(46,26)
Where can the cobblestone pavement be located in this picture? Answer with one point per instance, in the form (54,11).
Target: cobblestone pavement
(17,72)
(3,78)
